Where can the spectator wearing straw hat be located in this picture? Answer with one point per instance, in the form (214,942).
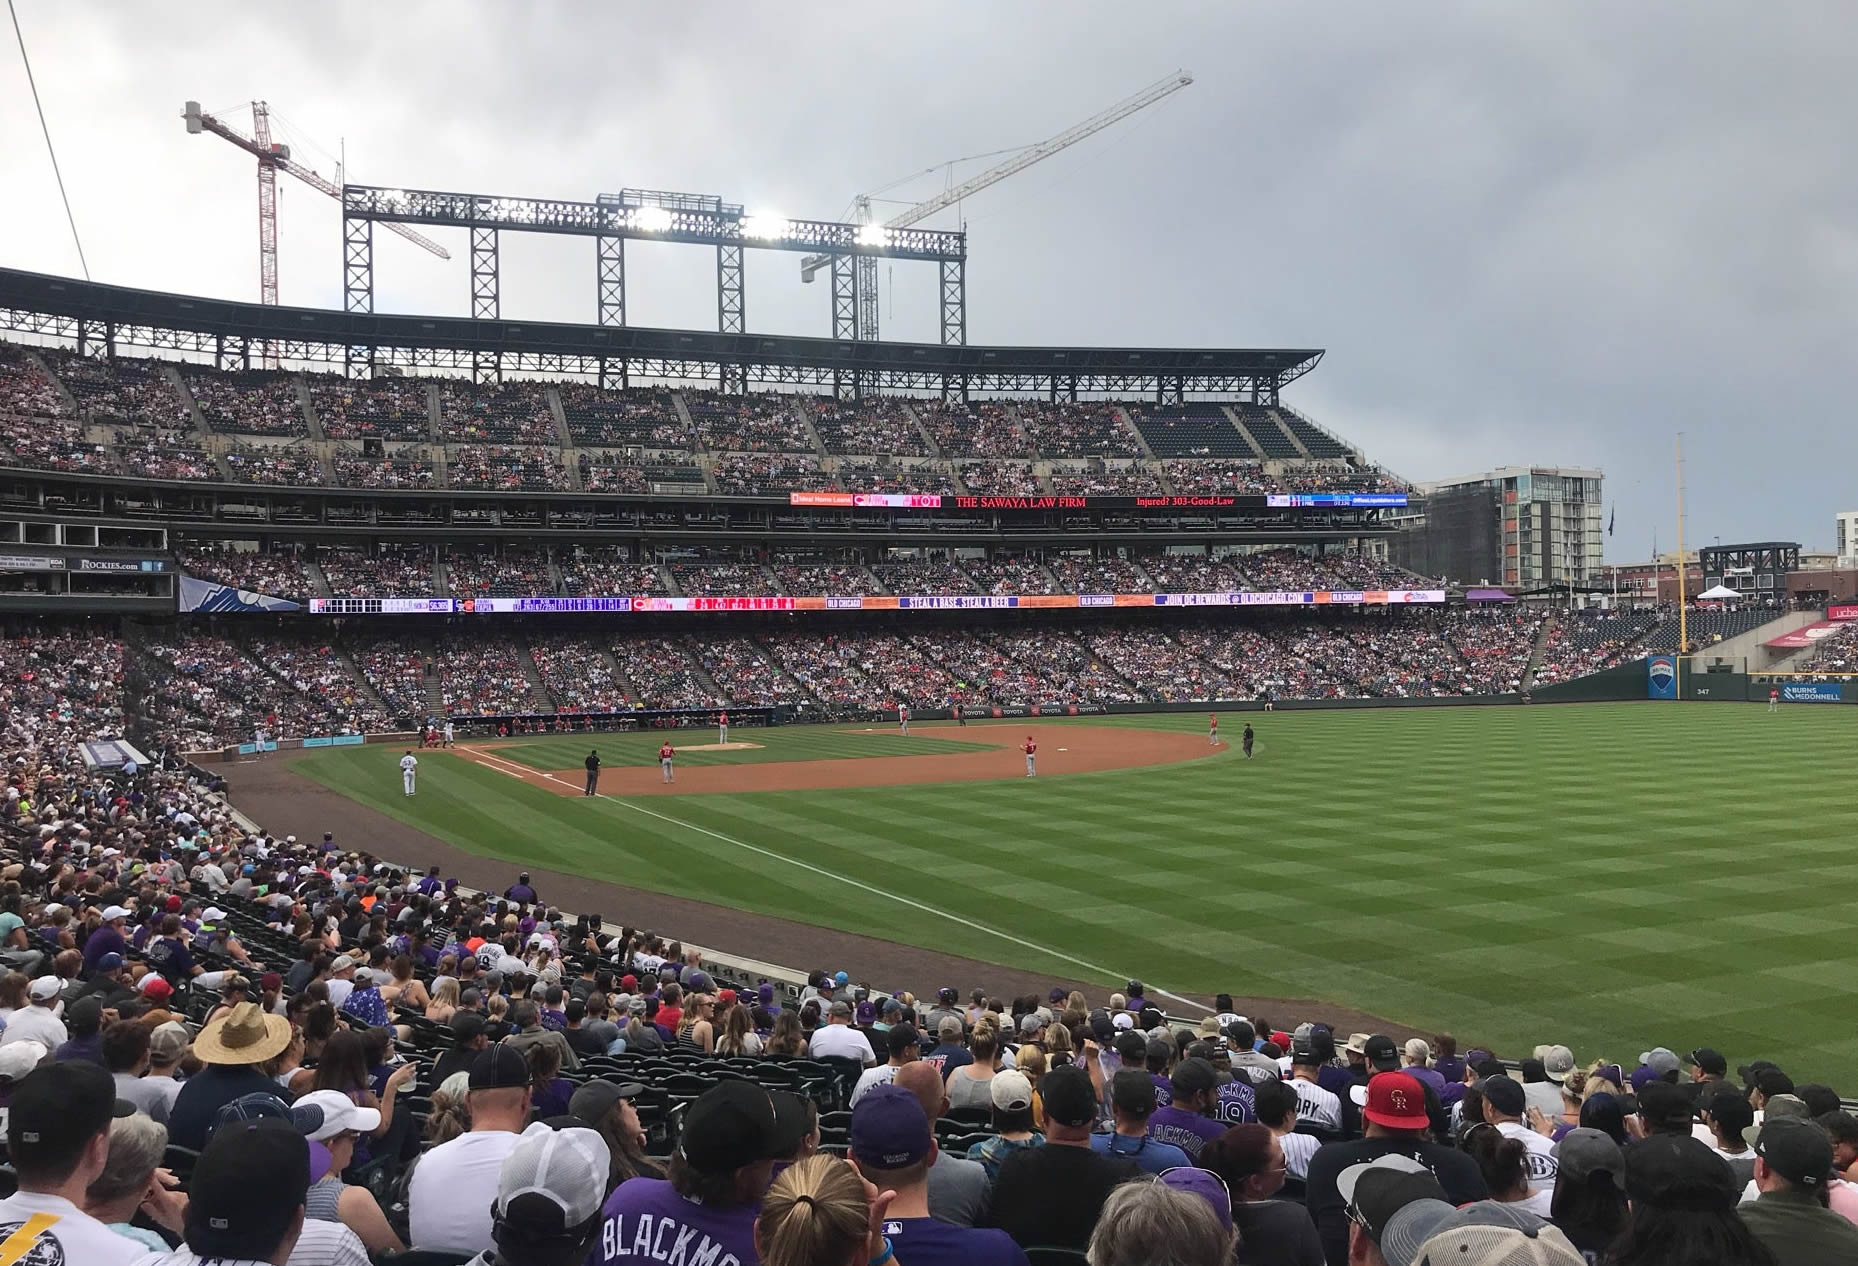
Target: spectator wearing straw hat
(232,1048)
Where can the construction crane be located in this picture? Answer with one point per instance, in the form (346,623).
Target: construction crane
(866,265)
(273,158)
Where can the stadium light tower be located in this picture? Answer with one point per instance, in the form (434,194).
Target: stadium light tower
(862,280)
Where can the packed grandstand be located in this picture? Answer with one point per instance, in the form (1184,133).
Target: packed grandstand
(487,1077)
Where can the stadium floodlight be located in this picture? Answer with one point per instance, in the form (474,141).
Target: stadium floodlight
(873,235)
(766,226)
(651,219)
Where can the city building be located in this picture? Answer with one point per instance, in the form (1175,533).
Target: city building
(1845,538)
(1527,528)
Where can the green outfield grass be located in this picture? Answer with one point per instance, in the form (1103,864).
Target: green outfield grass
(1614,876)
(810,742)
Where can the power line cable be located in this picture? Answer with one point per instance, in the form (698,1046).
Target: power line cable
(49,149)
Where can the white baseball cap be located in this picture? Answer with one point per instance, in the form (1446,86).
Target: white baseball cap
(213,915)
(21,1057)
(44,989)
(113,913)
(334,1113)
(565,1167)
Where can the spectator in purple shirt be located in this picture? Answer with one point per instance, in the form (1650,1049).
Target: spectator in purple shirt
(107,938)
(1185,1122)
(520,891)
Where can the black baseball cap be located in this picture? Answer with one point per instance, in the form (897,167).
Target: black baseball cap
(1192,1077)
(1069,1097)
(1731,1112)
(466,1025)
(246,1187)
(1677,1172)
(499,1067)
(55,1110)
(594,1099)
(732,1124)
(901,1038)
(1799,1151)
(1772,1081)
(1381,1053)
(1664,1105)
(1505,1094)
(1133,1047)
(1133,1091)
(1710,1061)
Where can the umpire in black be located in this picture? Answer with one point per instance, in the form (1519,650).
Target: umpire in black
(593,773)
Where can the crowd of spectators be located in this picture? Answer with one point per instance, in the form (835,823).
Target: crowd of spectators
(745,674)
(716,579)
(611,476)
(822,578)
(1494,645)
(637,417)
(1836,653)
(1257,661)
(509,573)
(662,673)
(507,468)
(1124,481)
(259,402)
(1000,479)
(973,430)
(373,408)
(289,465)
(316,668)
(860,670)
(1214,475)
(1069,672)
(876,425)
(157,454)
(404,467)
(1084,574)
(981,672)
(603,572)
(752,423)
(278,574)
(121,390)
(1160,667)
(398,671)
(404,572)
(766,474)
(922,576)
(26,389)
(925,476)
(483,677)
(509,414)
(1077,429)
(228,695)
(49,444)
(576,674)
(1004,574)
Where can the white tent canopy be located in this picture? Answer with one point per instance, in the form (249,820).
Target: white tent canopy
(1721,593)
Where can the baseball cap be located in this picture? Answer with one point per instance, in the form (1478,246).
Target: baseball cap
(902,1038)
(1557,1063)
(166,1043)
(1395,1100)
(258,1105)
(499,1067)
(730,1125)
(1011,1091)
(1585,1151)
(1132,1048)
(55,1109)
(110,962)
(888,1129)
(246,1187)
(594,1099)
(1385,1199)
(1710,1061)
(948,1029)
(323,1114)
(1678,1172)
(44,989)
(342,963)
(794,1119)
(1303,1045)
(1771,1082)
(1799,1151)
(1730,1112)
(1203,1183)
(1030,1023)
(466,1025)
(1191,1077)
(866,1013)
(1381,1052)
(1660,1060)
(1492,1233)
(553,1181)
(1131,1090)
(112,913)
(1068,1096)
(21,1057)
(1505,1094)
(1665,1105)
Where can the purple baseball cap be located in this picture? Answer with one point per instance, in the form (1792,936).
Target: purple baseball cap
(1203,1183)
(889,1130)
(765,992)
(867,1013)
(1056,995)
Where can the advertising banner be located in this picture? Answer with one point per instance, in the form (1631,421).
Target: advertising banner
(1842,611)
(1661,677)
(1812,692)
(1805,635)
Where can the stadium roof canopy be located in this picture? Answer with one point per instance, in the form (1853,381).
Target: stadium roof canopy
(237,335)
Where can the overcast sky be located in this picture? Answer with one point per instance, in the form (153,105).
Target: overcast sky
(1549,233)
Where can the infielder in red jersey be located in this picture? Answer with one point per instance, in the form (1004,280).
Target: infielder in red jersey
(1032,752)
(665,753)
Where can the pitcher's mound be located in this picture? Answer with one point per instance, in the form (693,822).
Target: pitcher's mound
(716,747)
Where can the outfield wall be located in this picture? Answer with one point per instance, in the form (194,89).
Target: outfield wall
(1629,681)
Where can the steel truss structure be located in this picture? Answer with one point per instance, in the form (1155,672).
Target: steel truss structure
(110,320)
(653,215)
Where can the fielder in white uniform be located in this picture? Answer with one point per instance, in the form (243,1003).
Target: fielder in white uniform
(409,766)
(722,728)
(903,718)
(448,734)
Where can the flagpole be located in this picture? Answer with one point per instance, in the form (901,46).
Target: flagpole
(1683,617)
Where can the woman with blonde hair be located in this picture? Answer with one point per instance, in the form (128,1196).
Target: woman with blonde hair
(1060,1046)
(820,1212)
(969,1086)
(451,1110)
(404,990)
(696,1032)
(444,1002)
(739,1036)
(1032,1063)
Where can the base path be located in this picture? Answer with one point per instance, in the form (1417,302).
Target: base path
(1070,749)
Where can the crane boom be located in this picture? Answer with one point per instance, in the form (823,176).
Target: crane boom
(1025,158)
(279,157)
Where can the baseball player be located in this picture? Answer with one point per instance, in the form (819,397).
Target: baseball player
(903,718)
(593,773)
(722,727)
(450,738)
(258,740)
(1212,729)
(1245,741)
(1774,698)
(665,753)
(409,766)
(1032,753)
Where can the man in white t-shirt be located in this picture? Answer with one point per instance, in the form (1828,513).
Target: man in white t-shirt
(1504,1105)
(454,1184)
(58,1132)
(840,1038)
(39,1021)
(341,980)
(904,1049)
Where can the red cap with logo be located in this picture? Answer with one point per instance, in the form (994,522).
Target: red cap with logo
(1396,1101)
